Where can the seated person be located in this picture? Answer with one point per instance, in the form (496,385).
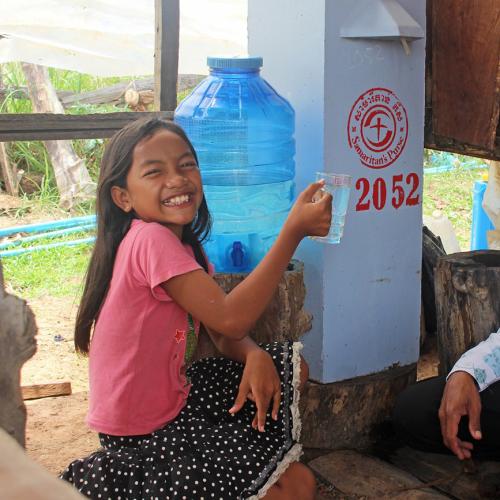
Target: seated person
(458,413)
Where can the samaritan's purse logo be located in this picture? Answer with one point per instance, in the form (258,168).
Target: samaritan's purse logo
(378,127)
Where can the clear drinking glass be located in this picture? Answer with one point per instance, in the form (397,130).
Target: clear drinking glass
(339,186)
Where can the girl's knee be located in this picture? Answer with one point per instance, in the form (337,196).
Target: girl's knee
(304,373)
(297,482)
(307,479)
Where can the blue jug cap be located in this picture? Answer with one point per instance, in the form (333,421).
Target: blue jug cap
(236,62)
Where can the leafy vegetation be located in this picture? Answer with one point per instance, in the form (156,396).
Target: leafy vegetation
(450,191)
(60,271)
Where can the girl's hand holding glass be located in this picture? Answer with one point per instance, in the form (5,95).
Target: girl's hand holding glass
(260,383)
(311,215)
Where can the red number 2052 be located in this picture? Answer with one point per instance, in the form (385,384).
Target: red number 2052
(402,193)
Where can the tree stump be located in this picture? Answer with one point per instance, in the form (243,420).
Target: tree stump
(432,251)
(467,302)
(348,414)
(284,318)
(17,345)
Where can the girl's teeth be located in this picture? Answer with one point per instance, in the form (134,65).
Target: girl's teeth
(177,200)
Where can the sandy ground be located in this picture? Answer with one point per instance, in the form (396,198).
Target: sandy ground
(56,431)
(55,359)
(10,205)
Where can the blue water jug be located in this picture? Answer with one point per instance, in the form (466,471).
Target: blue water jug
(481,223)
(242,131)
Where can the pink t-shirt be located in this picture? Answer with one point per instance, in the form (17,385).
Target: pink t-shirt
(136,356)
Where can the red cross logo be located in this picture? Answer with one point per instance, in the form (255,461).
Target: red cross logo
(377,128)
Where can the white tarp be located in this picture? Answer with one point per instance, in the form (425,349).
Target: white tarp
(116,37)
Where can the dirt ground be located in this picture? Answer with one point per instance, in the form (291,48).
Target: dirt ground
(56,432)
(55,359)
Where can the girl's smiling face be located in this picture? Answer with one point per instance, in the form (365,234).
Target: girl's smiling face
(163,183)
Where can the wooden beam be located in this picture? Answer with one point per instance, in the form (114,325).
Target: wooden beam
(38,391)
(361,476)
(113,93)
(453,146)
(451,476)
(167,15)
(42,126)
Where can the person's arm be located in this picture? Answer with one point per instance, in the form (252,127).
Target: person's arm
(233,314)
(482,362)
(260,381)
(473,372)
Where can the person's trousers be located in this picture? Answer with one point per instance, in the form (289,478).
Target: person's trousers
(417,423)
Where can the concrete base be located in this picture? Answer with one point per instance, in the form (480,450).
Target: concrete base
(346,414)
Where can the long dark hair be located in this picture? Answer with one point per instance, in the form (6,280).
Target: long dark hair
(113,223)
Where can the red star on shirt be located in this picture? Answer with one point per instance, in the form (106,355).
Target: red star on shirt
(180,335)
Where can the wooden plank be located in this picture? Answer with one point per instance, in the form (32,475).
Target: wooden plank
(465,56)
(167,16)
(446,144)
(354,474)
(42,126)
(111,94)
(38,391)
(447,472)
(115,93)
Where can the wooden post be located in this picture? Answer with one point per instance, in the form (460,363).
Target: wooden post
(9,172)
(467,302)
(432,251)
(166,54)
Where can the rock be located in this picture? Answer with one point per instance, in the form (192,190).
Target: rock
(17,345)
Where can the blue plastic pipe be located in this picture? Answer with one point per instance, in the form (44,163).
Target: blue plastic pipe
(481,223)
(19,251)
(448,168)
(50,234)
(45,226)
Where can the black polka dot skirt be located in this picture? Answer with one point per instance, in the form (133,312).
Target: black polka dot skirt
(205,453)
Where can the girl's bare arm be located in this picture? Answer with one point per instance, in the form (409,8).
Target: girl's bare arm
(233,314)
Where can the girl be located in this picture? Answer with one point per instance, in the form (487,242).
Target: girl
(148,290)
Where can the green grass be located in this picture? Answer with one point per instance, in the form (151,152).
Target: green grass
(451,192)
(56,272)
(60,271)
(31,156)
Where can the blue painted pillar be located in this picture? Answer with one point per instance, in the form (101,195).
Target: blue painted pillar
(359,106)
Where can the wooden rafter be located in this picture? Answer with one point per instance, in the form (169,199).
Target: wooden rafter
(42,126)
